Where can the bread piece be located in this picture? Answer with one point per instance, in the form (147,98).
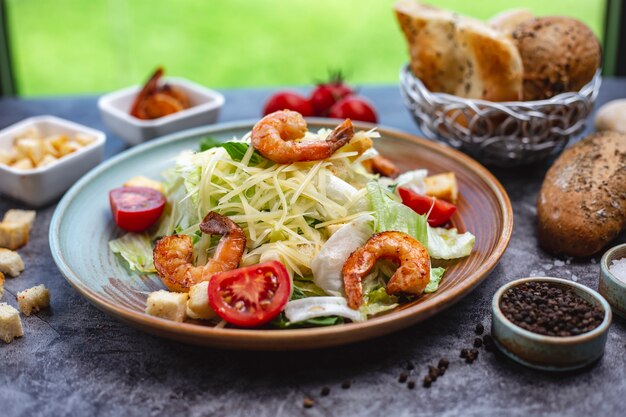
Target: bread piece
(459,55)
(23,163)
(559,54)
(13,235)
(145,182)
(7,156)
(20,216)
(507,21)
(442,186)
(198,304)
(47,160)
(10,323)
(1,285)
(30,148)
(10,262)
(612,116)
(167,305)
(33,299)
(582,203)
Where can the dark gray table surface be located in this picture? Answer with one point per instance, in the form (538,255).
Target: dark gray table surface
(76,361)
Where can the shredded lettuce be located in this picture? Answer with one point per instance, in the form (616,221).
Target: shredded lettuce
(378,301)
(284,209)
(136,250)
(283,323)
(413,180)
(448,243)
(435,278)
(314,307)
(329,261)
(392,215)
(303,289)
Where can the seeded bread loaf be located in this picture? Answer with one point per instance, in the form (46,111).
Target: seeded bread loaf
(459,55)
(582,203)
(559,54)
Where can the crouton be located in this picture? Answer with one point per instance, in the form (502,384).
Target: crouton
(10,262)
(47,160)
(167,305)
(10,323)
(7,156)
(442,186)
(144,182)
(84,139)
(33,299)
(20,216)
(31,148)
(57,142)
(69,147)
(1,285)
(198,305)
(23,163)
(13,235)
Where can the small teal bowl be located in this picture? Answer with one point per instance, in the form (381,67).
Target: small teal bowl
(609,286)
(550,353)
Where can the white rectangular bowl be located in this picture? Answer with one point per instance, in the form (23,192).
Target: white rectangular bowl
(40,186)
(115,110)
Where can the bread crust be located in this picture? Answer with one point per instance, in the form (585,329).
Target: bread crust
(582,203)
(459,55)
(559,54)
(508,20)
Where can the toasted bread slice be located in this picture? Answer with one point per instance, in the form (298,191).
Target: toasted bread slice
(460,55)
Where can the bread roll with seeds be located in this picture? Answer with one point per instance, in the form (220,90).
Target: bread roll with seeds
(559,54)
(507,21)
(582,203)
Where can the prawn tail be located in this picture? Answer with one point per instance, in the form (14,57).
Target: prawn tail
(341,135)
(354,291)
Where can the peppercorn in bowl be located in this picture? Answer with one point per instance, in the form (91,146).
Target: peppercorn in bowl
(550,323)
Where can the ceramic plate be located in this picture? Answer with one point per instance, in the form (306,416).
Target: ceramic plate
(82,227)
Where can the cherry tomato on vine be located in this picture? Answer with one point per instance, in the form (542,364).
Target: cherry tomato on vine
(355,108)
(325,95)
(290,101)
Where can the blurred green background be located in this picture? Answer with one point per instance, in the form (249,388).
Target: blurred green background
(91,46)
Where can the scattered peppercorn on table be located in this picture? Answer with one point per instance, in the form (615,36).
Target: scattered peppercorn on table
(75,360)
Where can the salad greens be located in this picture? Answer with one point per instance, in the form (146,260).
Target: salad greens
(310,216)
(136,250)
(236,150)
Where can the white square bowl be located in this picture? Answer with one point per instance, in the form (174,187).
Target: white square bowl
(40,186)
(115,111)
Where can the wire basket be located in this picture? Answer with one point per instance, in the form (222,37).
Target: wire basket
(505,134)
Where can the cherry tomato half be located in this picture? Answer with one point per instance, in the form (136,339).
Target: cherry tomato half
(250,296)
(136,208)
(290,101)
(355,108)
(441,211)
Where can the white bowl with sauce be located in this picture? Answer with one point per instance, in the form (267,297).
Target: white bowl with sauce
(40,186)
(115,111)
